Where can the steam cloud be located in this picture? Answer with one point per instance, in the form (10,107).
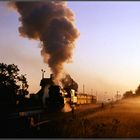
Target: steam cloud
(52,23)
(68,83)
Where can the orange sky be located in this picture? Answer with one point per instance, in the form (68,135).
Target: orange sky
(106,57)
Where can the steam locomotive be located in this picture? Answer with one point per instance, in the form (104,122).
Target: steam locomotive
(54,97)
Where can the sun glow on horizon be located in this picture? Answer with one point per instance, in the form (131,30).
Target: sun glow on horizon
(106,57)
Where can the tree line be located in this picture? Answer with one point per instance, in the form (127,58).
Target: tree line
(13,87)
(129,94)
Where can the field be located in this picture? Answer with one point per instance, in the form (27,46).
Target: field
(118,121)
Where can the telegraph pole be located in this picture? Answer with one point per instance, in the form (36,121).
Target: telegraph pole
(83,88)
(91,91)
(96,94)
(117,95)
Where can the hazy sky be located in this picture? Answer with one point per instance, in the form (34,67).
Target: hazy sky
(106,57)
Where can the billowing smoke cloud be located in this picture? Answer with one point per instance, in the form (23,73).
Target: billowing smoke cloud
(68,83)
(52,23)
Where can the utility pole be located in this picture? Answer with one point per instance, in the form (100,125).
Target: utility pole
(117,95)
(96,94)
(43,71)
(91,91)
(83,89)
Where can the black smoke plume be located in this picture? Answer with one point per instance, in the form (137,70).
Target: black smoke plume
(52,23)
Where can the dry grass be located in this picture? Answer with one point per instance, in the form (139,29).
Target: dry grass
(121,121)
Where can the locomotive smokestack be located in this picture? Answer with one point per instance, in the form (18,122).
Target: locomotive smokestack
(43,71)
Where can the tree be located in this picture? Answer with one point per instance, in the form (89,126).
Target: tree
(138,91)
(23,91)
(128,94)
(13,87)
